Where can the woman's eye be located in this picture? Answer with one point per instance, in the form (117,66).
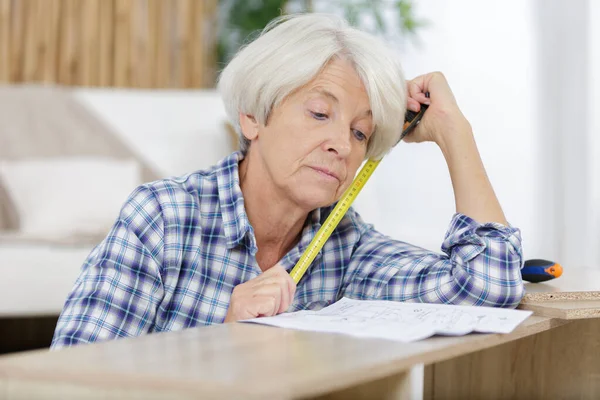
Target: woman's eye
(359,135)
(319,116)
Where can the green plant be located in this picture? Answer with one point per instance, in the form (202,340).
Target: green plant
(241,20)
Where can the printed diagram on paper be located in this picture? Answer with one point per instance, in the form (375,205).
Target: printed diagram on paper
(399,321)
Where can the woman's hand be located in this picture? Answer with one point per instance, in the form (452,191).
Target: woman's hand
(268,294)
(443,120)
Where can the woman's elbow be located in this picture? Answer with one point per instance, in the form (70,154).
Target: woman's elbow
(501,286)
(509,296)
(506,291)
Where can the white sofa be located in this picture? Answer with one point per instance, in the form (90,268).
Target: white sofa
(121,137)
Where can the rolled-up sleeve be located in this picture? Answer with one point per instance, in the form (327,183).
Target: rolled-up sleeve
(120,287)
(480,265)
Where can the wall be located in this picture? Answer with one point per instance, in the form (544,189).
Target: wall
(593,103)
(487,52)
(567,47)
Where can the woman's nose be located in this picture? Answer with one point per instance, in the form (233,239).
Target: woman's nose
(339,142)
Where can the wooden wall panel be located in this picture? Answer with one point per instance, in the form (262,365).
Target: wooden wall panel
(118,43)
(561,363)
(4,39)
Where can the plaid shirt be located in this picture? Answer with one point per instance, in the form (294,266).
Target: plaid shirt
(180,246)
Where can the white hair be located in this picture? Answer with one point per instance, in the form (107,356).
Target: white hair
(292,50)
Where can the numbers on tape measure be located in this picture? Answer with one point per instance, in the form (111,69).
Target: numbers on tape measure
(333,220)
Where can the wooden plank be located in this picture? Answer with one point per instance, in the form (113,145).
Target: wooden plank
(126,43)
(90,31)
(222,360)
(154,18)
(575,295)
(185,44)
(5,41)
(76,41)
(122,69)
(565,309)
(428,382)
(50,42)
(396,386)
(69,69)
(163,57)
(206,47)
(557,364)
(197,39)
(135,47)
(140,35)
(203,41)
(106,43)
(30,39)
(17,32)
(574,284)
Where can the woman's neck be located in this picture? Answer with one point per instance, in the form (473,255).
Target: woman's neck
(277,221)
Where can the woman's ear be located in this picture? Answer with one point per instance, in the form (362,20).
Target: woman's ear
(249,126)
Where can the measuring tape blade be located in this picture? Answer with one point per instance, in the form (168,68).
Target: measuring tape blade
(333,220)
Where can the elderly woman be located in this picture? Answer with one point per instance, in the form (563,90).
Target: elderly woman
(311,99)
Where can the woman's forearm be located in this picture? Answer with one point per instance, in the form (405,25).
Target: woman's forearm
(473,192)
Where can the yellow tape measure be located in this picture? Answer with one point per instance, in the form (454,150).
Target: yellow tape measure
(332,221)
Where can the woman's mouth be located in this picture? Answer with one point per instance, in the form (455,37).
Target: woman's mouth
(326,173)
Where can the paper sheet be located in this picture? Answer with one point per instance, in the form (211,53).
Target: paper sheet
(405,322)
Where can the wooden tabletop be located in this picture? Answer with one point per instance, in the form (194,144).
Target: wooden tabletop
(231,360)
(574,295)
(574,284)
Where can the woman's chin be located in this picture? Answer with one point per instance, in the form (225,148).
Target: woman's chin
(317,198)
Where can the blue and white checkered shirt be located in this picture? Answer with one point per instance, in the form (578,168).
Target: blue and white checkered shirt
(180,246)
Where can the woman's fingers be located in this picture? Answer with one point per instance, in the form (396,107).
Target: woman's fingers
(291,289)
(416,95)
(279,275)
(417,89)
(251,299)
(443,114)
(283,282)
(413,105)
(253,304)
(260,306)
(274,290)
(288,289)
(280,289)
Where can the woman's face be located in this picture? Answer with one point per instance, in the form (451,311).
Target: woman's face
(316,139)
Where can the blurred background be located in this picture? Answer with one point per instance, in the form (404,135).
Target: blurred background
(99,96)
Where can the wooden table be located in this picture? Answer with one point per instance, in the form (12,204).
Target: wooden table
(575,295)
(545,357)
(556,363)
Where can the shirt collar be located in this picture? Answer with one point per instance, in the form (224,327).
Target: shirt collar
(235,220)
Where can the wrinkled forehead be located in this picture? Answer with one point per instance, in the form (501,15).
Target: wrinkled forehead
(339,82)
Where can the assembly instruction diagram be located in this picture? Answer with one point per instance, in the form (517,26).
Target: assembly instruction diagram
(404,322)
